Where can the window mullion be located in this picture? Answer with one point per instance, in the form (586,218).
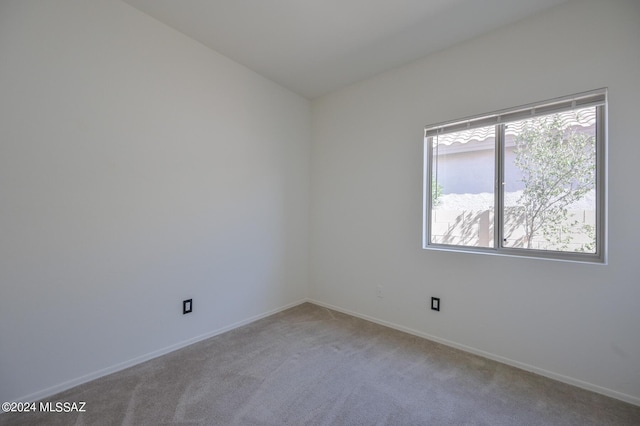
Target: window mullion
(498,216)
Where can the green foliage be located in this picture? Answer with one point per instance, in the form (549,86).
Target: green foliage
(436,192)
(590,247)
(558,169)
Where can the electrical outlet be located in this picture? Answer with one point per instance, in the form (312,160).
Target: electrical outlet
(187,306)
(380,294)
(435,303)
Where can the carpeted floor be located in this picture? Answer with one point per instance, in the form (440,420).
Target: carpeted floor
(313,366)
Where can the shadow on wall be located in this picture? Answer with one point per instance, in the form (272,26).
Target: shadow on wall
(474,228)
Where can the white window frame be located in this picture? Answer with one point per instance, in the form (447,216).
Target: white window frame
(597,98)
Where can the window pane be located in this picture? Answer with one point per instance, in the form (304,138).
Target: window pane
(462,188)
(550,182)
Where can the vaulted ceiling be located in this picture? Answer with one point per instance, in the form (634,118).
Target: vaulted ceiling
(313,47)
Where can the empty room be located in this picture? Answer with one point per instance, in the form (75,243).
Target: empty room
(305,212)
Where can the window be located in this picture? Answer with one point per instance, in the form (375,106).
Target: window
(526,181)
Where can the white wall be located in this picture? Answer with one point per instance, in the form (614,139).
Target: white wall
(137,169)
(576,322)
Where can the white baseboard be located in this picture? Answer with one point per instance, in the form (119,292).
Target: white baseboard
(140,359)
(555,376)
(130,363)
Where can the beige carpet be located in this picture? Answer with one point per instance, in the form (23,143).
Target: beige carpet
(312,366)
